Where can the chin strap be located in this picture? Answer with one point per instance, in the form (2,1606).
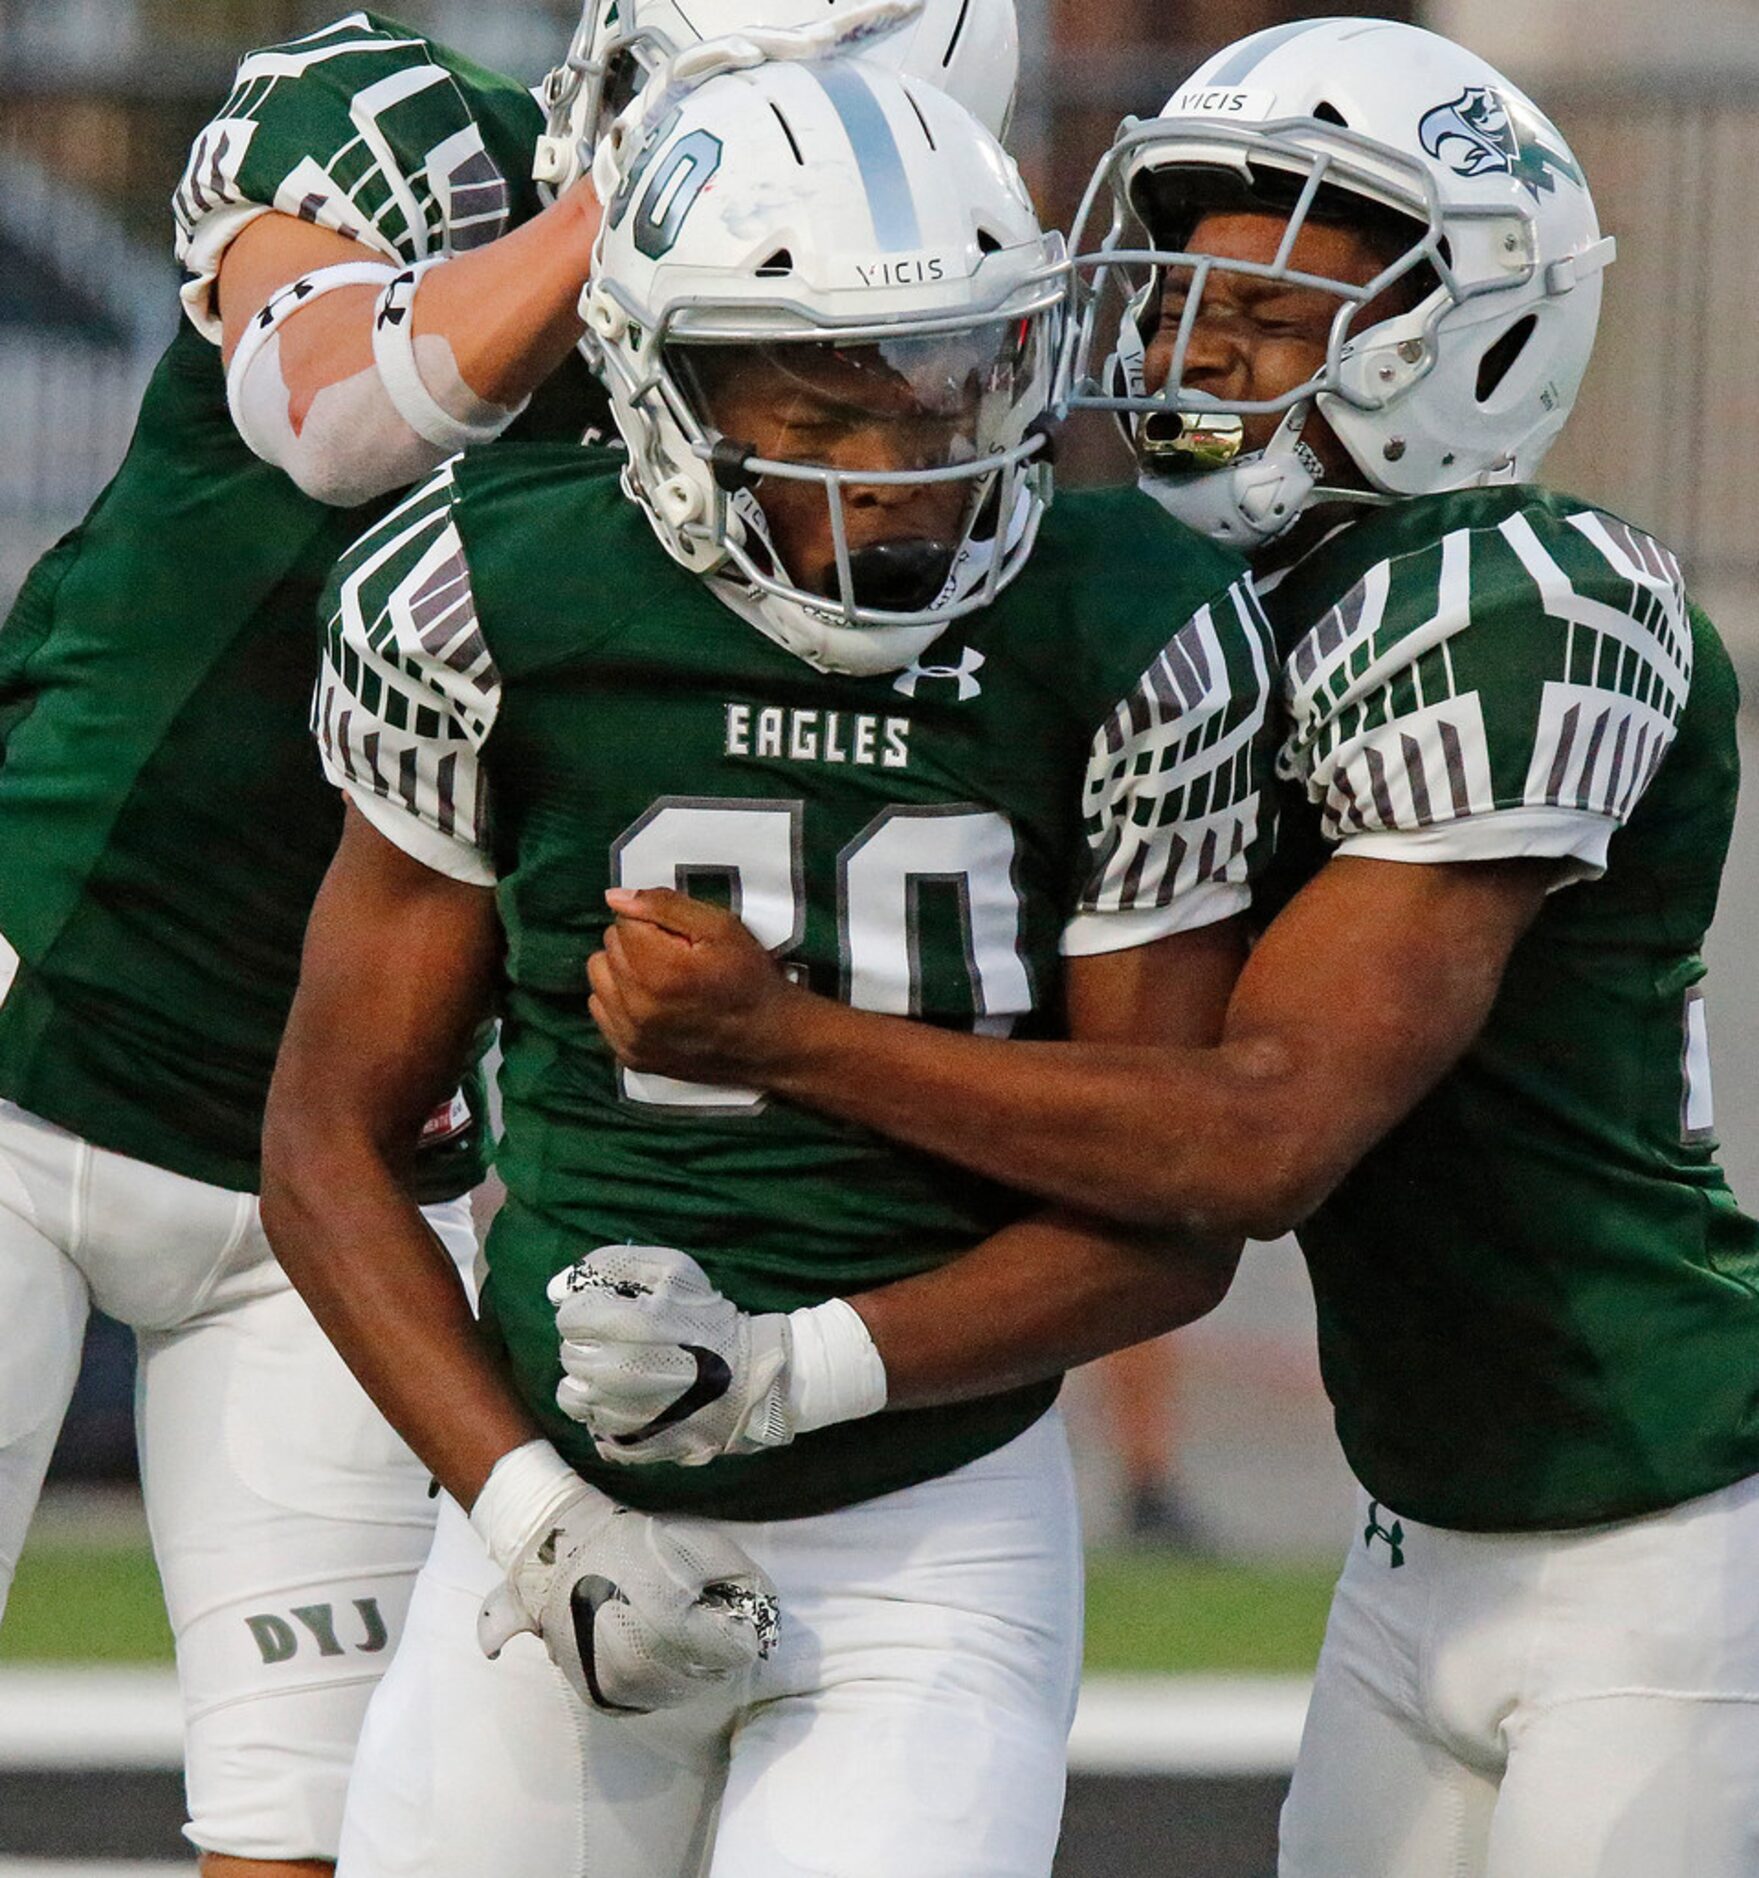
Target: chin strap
(858,651)
(848,651)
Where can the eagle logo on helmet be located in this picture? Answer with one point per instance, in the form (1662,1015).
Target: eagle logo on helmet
(1477,135)
(1472,135)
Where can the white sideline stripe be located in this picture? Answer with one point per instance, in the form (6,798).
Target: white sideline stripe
(93,1718)
(1188,1724)
(73,1868)
(97,1718)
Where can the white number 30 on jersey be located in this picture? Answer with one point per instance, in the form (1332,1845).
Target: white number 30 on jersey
(753,850)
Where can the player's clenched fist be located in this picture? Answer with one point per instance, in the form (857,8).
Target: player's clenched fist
(661,1367)
(683,989)
(638,1612)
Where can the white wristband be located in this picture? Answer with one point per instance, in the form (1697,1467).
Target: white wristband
(451,416)
(526,1490)
(835,1374)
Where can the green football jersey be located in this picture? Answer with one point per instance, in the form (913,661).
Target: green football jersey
(163,820)
(1538,1302)
(522,688)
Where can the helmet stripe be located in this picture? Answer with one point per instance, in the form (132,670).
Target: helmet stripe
(1250,53)
(889,200)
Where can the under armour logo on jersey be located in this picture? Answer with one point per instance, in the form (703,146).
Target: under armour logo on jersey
(964,675)
(1394,1535)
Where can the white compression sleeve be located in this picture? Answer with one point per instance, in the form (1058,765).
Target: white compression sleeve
(422,377)
(354,444)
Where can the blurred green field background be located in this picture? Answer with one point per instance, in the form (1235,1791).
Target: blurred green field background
(93,1601)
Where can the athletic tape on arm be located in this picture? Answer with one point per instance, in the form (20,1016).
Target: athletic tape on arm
(525,1490)
(835,1373)
(353,444)
(422,377)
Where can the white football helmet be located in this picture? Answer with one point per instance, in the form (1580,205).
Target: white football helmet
(969,49)
(1352,121)
(832,221)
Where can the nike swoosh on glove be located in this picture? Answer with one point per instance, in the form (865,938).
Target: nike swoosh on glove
(661,1367)
(638,1612)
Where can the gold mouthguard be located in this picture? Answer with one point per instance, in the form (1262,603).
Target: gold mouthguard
(1189,440)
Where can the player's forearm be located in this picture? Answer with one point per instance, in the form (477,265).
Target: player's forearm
(507,311)
(355,378)
(1035,1299)
(394,983)
(389,1298)
(1205,1142)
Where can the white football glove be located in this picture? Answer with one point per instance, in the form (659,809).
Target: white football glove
(848,32)
(638,1612)
(661,1367)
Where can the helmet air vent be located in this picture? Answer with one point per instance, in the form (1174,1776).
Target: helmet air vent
(1328,113)
(788,132)
(779,263)
(987,243)
(923,121)
(1499,361)
(958,29)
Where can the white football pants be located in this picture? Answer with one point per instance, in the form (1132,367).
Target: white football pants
(287,1519)
(911,1724)
(1541,1705)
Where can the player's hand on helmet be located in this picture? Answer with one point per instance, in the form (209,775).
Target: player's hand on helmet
(661,1367)
(848,31)
(638,1612)
(684,989)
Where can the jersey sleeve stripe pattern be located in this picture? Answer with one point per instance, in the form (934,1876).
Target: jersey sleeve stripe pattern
(1432,764)
(354,129)
(1173,793)
(1422,703)
(1595,751)
(409,692)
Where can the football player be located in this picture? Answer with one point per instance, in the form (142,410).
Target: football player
(930,771)
(375,283)
(1467,1059)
